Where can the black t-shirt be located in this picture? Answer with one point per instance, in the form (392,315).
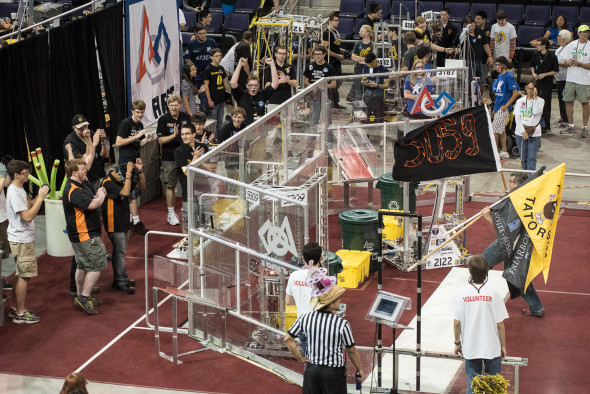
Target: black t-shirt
(82,223)
(368,21)
(255,106)
(115,207)
(476,42)
(316,71)
(361,49)
(183,155)
(333,38)
(284,90)
(130,152)
(215,76)
(545,63)
(166,127)
(227,131)
(243,50)
(79,148)
(409,57)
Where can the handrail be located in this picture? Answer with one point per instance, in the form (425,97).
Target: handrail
(50,19)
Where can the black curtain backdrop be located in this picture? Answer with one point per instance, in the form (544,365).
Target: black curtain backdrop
(12,136)
(108,30)
(33,57)
(75,85)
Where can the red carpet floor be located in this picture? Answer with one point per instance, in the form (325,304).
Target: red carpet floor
(67,338)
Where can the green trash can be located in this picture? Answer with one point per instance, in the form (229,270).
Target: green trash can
(392,193)
(359,232)
(334,264)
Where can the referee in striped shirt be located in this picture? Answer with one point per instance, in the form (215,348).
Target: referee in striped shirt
(326,334)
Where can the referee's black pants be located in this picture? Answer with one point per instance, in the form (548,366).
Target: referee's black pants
(325,380)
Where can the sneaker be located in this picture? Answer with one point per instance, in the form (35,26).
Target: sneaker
(528,312)
(124,288)
(584,133)
(96,301)
(131,282)
(12,312)
(173,219)
(86,304)
(26,318)
(139,228)
(568,130)
(504,155)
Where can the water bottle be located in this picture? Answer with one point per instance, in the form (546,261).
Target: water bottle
(359,384)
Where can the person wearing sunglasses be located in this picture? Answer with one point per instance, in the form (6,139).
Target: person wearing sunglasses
(413,86)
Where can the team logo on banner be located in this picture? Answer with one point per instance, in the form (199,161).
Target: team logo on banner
(442,103)
(153,53)
(277,240)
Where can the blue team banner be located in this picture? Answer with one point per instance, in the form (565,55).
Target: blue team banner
(153,54)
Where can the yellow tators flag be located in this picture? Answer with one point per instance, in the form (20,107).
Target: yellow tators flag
(537,204)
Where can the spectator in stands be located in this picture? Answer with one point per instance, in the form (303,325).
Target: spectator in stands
(129,141)
(215,79)
(315,71)
(502,37)
(198,52)
(83,228)
(411,52)
(74,381)
(189,90)
(374,92)
(544,66)
(479,313)
(190,150)
(168,132)
(480,21)
(558,25)
(331,40)
(413,86)
(243,51)
(115,216)
(361,48)
(577,86)
(450,35)
(506,91)
(252,99)
(527,117)
(195,5)
(228,6)
(563,38)
(21,236)
(199,119)
(375,13)
(205,18)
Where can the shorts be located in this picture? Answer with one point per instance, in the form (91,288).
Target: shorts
(91,255)
(574,91)
(499,122)
(26,261)
(168,174)
(135,193)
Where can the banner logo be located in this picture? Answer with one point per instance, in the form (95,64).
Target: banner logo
(442,103)
(150,58)
(277,240)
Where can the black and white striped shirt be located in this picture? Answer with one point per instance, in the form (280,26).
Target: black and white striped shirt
(326,334)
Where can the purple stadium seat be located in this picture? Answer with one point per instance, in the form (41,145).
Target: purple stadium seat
(458,10)
(407,6)
(346,28)
(237,22)
(191,20)
(537,15)
(186,37)
(215,6)
(430,6)
(247,6)
(488,8)
(525,34)
(351,8)
(514,11)
(216,22)
(7,8)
